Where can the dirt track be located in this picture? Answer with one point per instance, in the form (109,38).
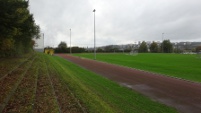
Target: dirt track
(185,96)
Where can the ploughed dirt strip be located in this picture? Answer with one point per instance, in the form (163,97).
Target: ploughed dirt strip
(185,96)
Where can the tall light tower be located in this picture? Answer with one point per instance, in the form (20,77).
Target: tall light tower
(94,37)
(162,42)
(43,41)
(70,41)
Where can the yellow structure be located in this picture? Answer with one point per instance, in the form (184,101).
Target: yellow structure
(49,51)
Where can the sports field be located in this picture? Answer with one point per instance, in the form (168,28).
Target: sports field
(178,65)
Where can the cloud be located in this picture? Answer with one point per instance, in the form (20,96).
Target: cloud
(117,21)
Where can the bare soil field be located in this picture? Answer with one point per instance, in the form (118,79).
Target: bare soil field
(32,86)
(184,95)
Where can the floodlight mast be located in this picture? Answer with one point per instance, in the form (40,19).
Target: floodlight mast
(70,41)
(43,41)
(162,42)
(94,37)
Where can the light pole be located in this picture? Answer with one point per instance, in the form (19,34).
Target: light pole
(94,37)
(70,41)
(43,41)
(162,43)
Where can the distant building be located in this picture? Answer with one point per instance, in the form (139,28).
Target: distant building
(186,46)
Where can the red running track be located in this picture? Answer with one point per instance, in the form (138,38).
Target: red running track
(183,95)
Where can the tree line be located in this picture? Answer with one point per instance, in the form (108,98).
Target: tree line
(17,28)
(165,47)
(63,48)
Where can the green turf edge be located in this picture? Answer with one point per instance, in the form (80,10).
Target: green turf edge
(102,95)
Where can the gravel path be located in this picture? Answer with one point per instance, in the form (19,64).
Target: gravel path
(183,95)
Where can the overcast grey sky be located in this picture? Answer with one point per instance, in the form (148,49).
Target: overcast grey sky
(117,21)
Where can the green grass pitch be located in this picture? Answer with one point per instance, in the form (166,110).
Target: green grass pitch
(177,65)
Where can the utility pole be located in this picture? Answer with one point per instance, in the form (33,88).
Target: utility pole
(94,37)
(43,41)
(162,42)
(70,41)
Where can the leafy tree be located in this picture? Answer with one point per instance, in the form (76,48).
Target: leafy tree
(198,49)
(62,48)
(167,46)
(18,26)
(109,48)
(78,50)
(154,47)
(99,50)
(62,45)
(143,47)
